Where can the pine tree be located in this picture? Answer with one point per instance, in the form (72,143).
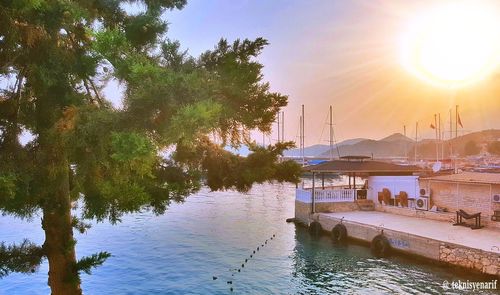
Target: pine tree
(157,149)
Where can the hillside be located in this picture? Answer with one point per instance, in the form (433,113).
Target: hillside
(396,137)
(318,149)
(397,145)
(377,148)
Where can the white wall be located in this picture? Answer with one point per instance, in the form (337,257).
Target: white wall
(395,184)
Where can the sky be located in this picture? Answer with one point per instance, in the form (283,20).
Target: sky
(340,53)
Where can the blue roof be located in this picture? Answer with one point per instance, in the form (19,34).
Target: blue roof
(315,162)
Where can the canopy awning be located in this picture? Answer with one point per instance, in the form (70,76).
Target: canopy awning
(363,166)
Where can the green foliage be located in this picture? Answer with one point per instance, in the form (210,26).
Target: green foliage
(86,264)
(79,225)
(157,148)
(494,147)
(143,29)
(7,186)
(471,148)
(225,170)
(247,101)
(133,150)
(24,258)
(62,55)
(194,120)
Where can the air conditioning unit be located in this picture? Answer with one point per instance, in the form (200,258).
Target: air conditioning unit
(423,192)
(496,198)
(422,203)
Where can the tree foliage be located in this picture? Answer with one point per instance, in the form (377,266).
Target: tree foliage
(471,148)
(494,147)
(24,258)
(57,56)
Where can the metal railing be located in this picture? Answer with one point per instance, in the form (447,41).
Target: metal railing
(326,196)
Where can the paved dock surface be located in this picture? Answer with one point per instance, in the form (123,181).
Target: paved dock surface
(484,238)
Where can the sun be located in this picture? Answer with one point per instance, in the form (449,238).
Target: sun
(453,45)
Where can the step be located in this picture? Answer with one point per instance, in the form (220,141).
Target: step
(367,208)
(364,201)
(365,205)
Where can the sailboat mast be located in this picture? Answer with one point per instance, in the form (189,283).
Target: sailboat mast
(416,140)
(451,134)
(437,132)
(278,121)
(406,149)
(303,137)
(300,136)
(331,135)
(283,126)
(441,137)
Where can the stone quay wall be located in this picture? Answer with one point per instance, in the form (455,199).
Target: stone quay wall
(482,261)
(303,210)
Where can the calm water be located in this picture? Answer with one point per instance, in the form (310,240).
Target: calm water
(212,234)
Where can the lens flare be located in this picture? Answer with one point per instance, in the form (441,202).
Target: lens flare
(453,45)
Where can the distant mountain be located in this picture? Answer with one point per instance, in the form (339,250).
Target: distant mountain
(319,149)
(395,145)
(398,145)
(480,138)
(375,148)
(351,141)
(396,137)
(310,151)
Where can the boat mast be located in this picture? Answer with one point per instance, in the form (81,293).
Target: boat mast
(406,148)
(302,140)
(451,134)
(437,132)
(441,137)
(283,126)
(278,121)
(300,136)
(416,140)
(331,135)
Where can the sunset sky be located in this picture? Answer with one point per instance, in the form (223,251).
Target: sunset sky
(341,53)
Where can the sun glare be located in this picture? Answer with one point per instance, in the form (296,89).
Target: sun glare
(453,45)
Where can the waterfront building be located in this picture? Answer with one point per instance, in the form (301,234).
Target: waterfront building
(472,192)
(399,208)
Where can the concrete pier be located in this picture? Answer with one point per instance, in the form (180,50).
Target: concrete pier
(436,240)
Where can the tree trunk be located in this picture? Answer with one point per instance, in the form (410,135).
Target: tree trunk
(59,244)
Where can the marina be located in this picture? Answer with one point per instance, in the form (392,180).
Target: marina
(413,214)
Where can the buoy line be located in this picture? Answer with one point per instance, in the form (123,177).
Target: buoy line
(238,270)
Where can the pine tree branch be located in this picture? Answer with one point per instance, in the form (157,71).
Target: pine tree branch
(92,101)
(24,258)
(99,100)
(87,263)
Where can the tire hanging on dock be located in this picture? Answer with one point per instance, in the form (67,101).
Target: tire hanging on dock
(315,228)
(380,246)
(339,233)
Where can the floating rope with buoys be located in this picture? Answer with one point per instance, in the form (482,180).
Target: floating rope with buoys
(247,260)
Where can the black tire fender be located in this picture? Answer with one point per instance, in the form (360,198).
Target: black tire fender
(339,233)
(380,246)
(315,228)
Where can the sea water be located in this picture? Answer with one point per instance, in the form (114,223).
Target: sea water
(206,246)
